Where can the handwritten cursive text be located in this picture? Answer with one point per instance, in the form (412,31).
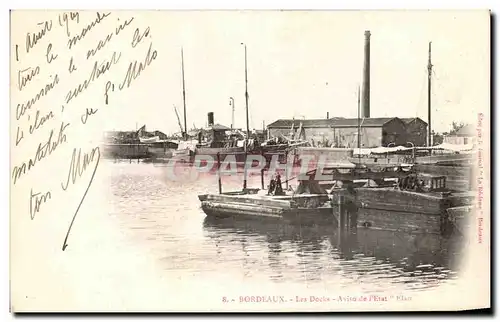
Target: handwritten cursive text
(135,70)
(77,168)
(23,79)
(33,39)
(36,200)
(42,152)
(22,108)
(96,72)
(74,40)
(102,43)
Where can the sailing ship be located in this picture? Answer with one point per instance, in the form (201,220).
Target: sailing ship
(215,140)
(283,146)
(158,149)
(161,149)
(186,148)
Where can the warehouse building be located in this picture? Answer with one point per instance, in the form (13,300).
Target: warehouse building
(416,130)
(465,135)
(343,132)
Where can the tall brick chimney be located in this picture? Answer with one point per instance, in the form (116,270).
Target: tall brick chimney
(365,105)
(210,118)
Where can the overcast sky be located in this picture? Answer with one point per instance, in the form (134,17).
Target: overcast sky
(300,64)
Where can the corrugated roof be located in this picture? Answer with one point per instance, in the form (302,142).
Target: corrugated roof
(287,123)
(332,122)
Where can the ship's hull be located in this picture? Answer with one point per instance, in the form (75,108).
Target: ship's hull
(204,155)
(398,210)
(238,153)
(125,151)
(272,208)
(377,208)
(393,199)
(161,153)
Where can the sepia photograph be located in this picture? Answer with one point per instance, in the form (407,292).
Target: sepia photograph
(249,160)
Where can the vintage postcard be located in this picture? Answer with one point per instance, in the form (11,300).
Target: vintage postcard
(249,161)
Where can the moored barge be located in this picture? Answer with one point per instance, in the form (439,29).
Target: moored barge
(393,199)
(308,209)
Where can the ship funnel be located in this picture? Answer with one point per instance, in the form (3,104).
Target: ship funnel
(210,118)
(366,77)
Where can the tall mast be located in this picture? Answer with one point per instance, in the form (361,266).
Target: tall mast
(248,128)
(359,122)
(429,78)
(184,94)
(178,119)
(246,91)
(231,103)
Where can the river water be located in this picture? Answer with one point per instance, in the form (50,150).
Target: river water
(164,220)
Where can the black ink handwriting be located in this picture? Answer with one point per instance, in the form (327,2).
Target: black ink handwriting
(103,42)
(96,72)
(76,170)
(71,67)
(73,41)
(33,39)
(135,71)
(49,55)
(122,26)
(44,150)
(22,80)
(109,86)
(18,139)
(137,38)
(39,121)
(100,45)
(66,18)
(88,112)
(22,108)
(38,201)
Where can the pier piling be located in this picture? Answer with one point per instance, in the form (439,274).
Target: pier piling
(218,173)
(286,169)
(245,172)
(342,214)
(346,218)
(262,173)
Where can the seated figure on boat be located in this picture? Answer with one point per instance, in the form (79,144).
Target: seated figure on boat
(275,187)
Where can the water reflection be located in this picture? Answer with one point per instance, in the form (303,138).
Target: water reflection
(166,221)
(380,258)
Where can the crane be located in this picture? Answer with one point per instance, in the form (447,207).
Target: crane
(179,120)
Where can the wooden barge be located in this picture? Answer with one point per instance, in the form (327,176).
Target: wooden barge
(393,199)
(307,209)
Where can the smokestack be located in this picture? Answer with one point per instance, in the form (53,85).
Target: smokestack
(366,77)
(327,115)
(210,118)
